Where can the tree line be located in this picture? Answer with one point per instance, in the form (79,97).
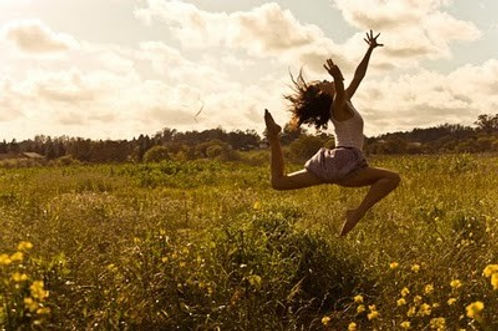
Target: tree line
(170,143)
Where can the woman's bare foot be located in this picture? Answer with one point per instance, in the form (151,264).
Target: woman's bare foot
(352,218)
(272,128)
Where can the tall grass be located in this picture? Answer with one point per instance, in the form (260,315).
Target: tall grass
(207,245)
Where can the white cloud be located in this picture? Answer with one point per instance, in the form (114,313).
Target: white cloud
(34,37)
(411,29)
(428,98)
(264,31)
(107,90)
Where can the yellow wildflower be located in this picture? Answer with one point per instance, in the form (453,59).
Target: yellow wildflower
(438,323)
(17,257)
(358,298)
(428,289)
(490,269)
(401,302)
(474,309)
(37,290)
(424,309)
(394,265)
(43,311)
(372,307)
(372,315)
(5,259)
(411,312)
(24,246)
(455,284)
(451,301)
(360,309)
(405,291)
(352,326)
(417,299)
(415,268)
(30,304)
(164,259)
(325,320)
(18,277)
(494,281)
(405,325)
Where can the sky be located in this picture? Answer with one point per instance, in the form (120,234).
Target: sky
(118,68)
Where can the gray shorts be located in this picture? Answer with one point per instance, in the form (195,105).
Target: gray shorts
(332,165)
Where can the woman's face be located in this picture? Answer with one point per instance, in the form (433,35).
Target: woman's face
(326,87)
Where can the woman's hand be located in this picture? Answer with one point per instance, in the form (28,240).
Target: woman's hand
(372,41)
(333,70)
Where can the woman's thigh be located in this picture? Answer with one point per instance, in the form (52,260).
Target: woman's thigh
(366,177)
(299,179)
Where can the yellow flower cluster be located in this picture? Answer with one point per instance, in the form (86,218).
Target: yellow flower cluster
(17,257)
(411,312)
(415,268)
(401,302)
(405,325)
(24,246)
(455,284)
(438,323)
(352,326)
(424,310)
(18,277)
(428,289)
(373,314)
(326,320)
(474,309)
(5,259)
(491,271)
(358,299)
(394,265)
(37,290)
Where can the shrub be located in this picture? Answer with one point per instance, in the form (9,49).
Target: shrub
(156,154)
(305,147)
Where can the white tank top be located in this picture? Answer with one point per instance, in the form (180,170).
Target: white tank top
(349,133)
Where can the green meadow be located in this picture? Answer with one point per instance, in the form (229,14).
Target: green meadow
(209,245)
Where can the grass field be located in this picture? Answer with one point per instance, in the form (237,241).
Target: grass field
(208,245)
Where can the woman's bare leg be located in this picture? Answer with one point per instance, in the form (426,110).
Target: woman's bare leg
(279,180)
(381,183)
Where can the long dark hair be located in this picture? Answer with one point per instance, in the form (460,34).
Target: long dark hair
(308,104)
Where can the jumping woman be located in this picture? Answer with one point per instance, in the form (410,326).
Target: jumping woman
(315,104)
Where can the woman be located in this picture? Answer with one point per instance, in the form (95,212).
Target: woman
(344,165)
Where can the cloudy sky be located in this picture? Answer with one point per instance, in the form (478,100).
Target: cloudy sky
(118,68)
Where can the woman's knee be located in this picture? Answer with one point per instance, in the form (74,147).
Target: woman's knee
(278,183)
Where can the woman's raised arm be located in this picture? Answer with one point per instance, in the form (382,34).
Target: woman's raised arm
(361,70)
